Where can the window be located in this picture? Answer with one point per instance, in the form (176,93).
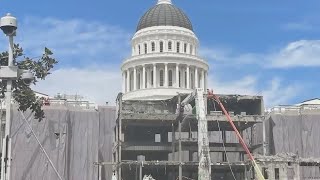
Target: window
(161,46)
(170,78)
(145,48)
(151,78)
(276,173)
(170,46)
(139,47)
(161,78)
(178,47)
(153,46)
(185,47)
(157,138)
(265,173)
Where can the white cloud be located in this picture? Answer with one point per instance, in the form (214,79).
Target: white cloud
(224,55)
(89,55)
(273,91)
(74,41)
(99,85)
(303,53)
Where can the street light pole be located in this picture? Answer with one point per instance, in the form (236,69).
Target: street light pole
(9,25)
(10,73)
(8,95)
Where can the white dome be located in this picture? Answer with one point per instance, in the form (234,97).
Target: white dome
(164,58)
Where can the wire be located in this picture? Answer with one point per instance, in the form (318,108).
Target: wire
(224,147)
(42,148)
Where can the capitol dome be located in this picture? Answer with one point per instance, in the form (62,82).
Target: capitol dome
(164,14)
(164,59)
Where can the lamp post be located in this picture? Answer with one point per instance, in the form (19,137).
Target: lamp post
(9,73)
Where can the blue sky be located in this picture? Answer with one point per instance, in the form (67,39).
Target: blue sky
(268,48)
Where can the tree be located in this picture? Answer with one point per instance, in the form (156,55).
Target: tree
(22,93)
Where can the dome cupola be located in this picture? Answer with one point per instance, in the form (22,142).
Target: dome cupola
(164,14)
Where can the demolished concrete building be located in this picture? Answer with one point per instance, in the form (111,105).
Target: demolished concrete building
(151,138)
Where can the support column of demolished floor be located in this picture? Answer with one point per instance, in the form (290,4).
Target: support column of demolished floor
(154,138)
(204,170)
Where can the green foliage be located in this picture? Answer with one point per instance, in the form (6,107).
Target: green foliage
(22,93)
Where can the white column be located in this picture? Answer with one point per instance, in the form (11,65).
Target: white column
(196,77)
(134,78)
(124,82)
(154,75)
(205,80)
(177,75)
(202,79)
(143,76)
(188,77)
(128,80)
(166,75)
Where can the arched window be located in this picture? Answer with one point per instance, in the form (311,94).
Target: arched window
(170,78)
(185,47)
(139,81)
(161,78)
(151,78)
(191,49)
(161,46)
(145,48)
(153,46)
(179,78)
(169,46)
(178,47)
(139,49)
